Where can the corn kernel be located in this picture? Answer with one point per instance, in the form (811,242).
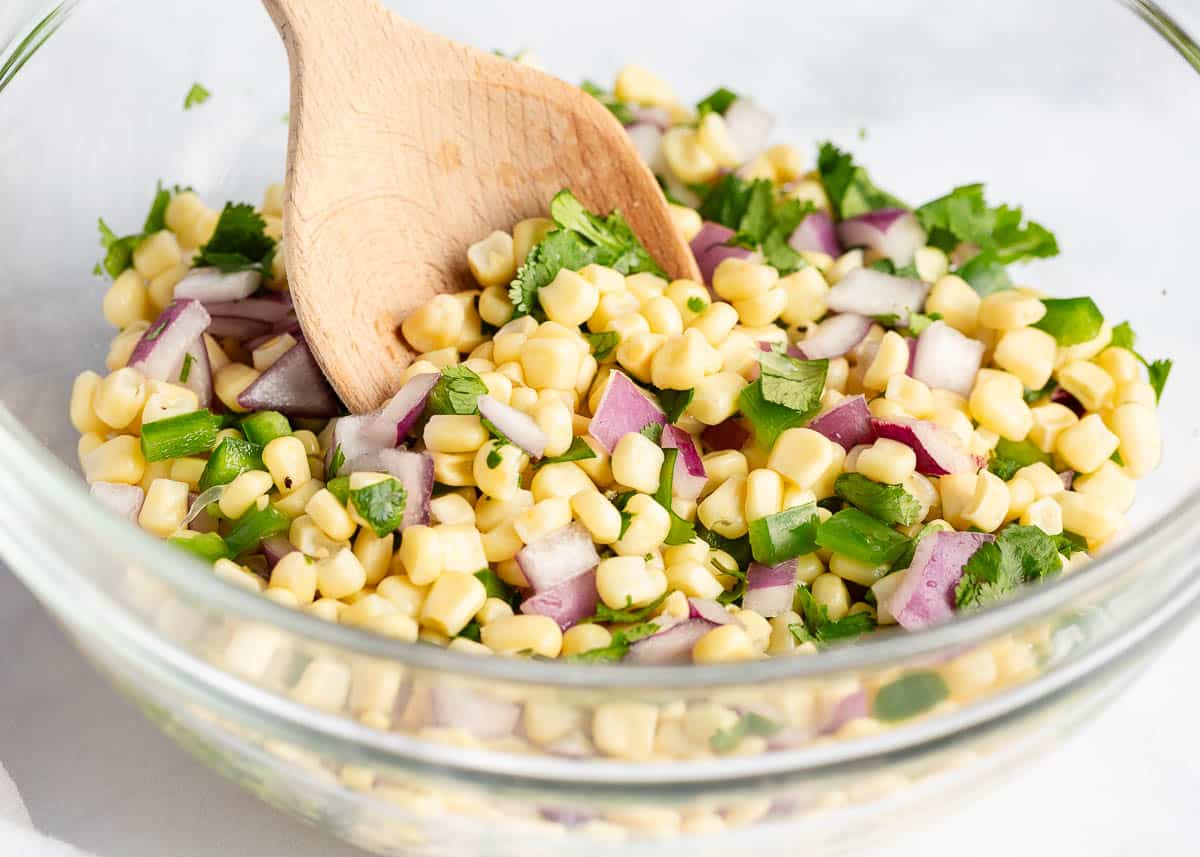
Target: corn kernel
(539,635)
(1088,383)
(724,510)
(1027,353)
(724,644)
(626,581)
(1009,310)
(801,456)
(887,461)
(637,462)
(1086,444)
(452,602)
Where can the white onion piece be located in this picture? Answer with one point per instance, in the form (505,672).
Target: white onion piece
(710,249)
(939,451)
(199,375)
(647,139)
(392,424)
(124,500)
(209,285)
(670,646)
(659,117)
(749,126)
(926,595)
(473,710)
(709,610)
(515,425)
(164,343)
(834,336)
(294,385)
(848,423)
(894,232)
(353,435)
(414,470)
(866,291)
(569,602)
(269,309)
(202,502)
(816,233)
(770,589)
(243,329)
(557,557)
(945,359)
(623,408)
(689,476)
(275,548)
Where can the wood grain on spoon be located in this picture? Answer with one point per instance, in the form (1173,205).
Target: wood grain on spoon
(405,148)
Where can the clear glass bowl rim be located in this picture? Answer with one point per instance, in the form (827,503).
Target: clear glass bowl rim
(52,485)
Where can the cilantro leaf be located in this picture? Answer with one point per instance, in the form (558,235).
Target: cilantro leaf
(1020,554)
(497,588)
(619,647)
(239,242)
(578,451)
(848,186)
(156,218)
(717,101)
(1158,370)
(726,201)
(751,209)
(889,503)
(1010,456)
(986,274)
(819,628)
(652,431)
(118,251)
(909,695)
(1123,336)
(682,531)
(768,419)
(675,402)
(697,304)
(738,549)
(963,216)
(196,96)
(603,343)
(750,723)
(628,614)
(457,392)
(381,505)
(1071,320)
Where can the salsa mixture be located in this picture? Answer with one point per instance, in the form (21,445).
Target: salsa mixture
(857,420)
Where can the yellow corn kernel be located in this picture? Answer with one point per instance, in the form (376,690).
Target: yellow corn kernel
(686,220)
(293,504)
(156,253)
(887,461)
(724,510)
(454,433)
(559,479)
(340,575)
(1088,515)
(403,593)
(552,363)
(738,279)
(183,209)
(786,161)
(830,591)
(687,158)
(435,324)
(762,309)
(126,300)
(1027,353)
(1086,444)
(713,136)
(689,297)
(598,515)
(265,355)
(625,581)
(801,456)
(715,322)
(494,306)
(83,416)
(636,352)
(167,400)
(1087,382)
(1042,478)
(526,234)
(806,292)
(1136,426)
(931,264)
(330,515)
(569,299)
(1009,310)
(454,468)
(1085,350)
(118,399)
(724,644)
(542,518)
(1136,392)
(243,492)
(662,316)
(625,730)
(492,261)
(230,382)
(501,542)
(298,574)
(1108,484)
(641,86)
(452,509)
(989,503)
(694,580)
(764,494)
(849,261)
(891,359)
(539,635)
(164,508)
(584,638)
(117,460)
(910,394)
(722,465)
(996,403)
(287,461)
(648,526)
(121,348)
(958,303)
(1120,364)
(462,548)
(1049,421)
(682,361)
(311,539)
(716,397)
(452,602)
(1045,514)
(637,462)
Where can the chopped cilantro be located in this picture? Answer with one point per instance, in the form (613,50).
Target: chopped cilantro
(786,394)
(619,647)
(889,503)
(682,531)
(986,274)
(1031,396)
(472,631)
(1071,320)
(751,209)
(196,96)
(339,487)
(494,458)
(717,101)
(1158,370)
(622,111)
(784,535)
(675,402)
(1010,456)
(1020,554)
(381,505)
(963,215)
(336,463)
(1069,543)
(653,431)
(118,251)
(457,392)
(750,723)
(819,628)
(848,186)
(497,588)
(696,303)
(580,239)
(239,242)
(861,537)
(186,369)
(603,343)
(739,549)
(628,614)
(577,451)
(909,695)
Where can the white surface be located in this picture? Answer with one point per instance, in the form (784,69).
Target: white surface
(95,774)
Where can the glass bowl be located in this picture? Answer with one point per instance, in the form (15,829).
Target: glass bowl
(1081,112)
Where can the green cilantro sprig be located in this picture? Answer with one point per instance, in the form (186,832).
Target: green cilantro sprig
(618,108)
(577,451)
(196,96)
(717,101)
(750,723)
(786,394)
(682,530)
(760,220)
(618,648)
(848,186)
(1010,456)
(818,628)
(627,615)
(239,242)
(1020,554)
(889,503)
(1158,370)
(118,250)
(457,392)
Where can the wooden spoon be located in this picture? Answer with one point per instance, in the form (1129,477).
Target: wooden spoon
(405,148)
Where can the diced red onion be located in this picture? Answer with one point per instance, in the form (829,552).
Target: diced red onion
(770,588)
(199,375)
(709,610)
(866,291)
(124,500)
(391,425)
(566,816)
(200,503)
(557,557)
(210,286)
(275,548)
(834,336)
(710,249)
(353,435)
(1068,479)
(939,451)
(623,408)
(848,423)
(848,708)
(203,522)
(647,139)
(1068,400)
(894,232)
(238,328)
(659,117)
(288,324)
(414,470)
(164,343)
(945,359)
(690,476)
(515,425)
(749,126)
(294,385)
(269,310)
(816,233)
(459,707)
(567,603)
(672,645)
(728,434)
(926,595)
